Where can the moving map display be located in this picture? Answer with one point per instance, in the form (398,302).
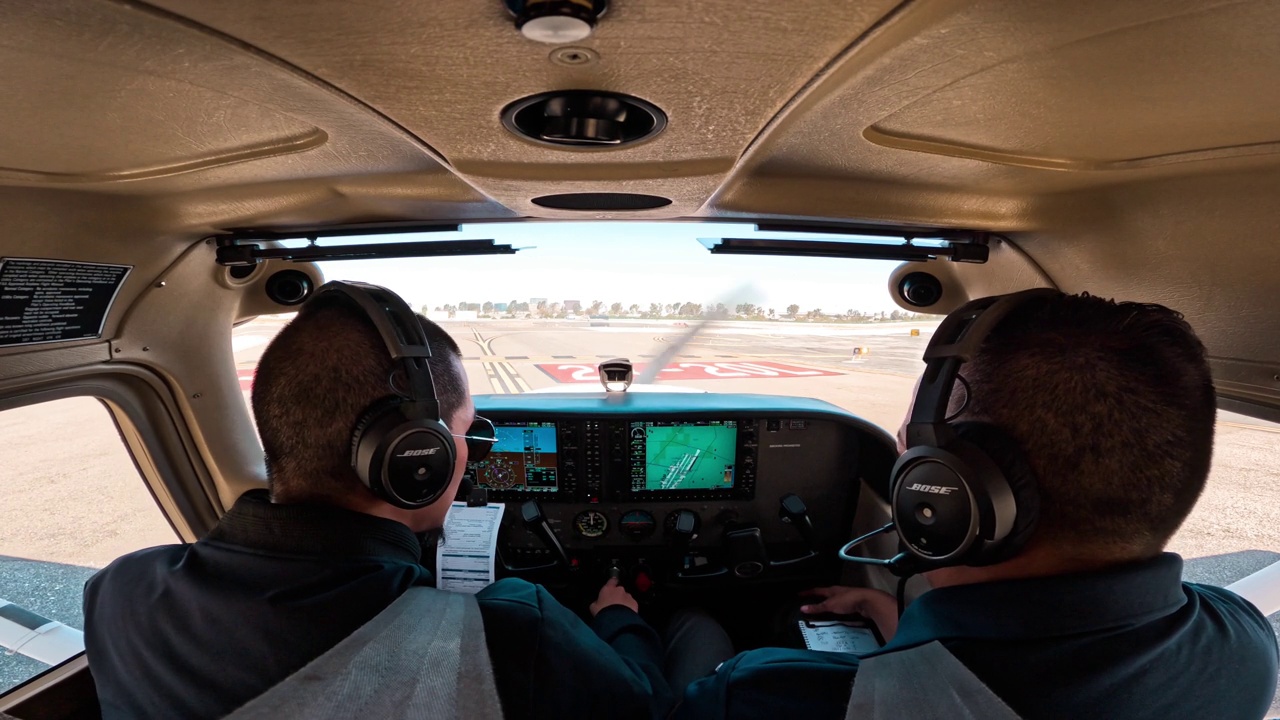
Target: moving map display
(524,458)
(683,456)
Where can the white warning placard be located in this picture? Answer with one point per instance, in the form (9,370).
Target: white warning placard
(45,301)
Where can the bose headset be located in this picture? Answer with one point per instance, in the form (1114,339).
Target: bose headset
(962,493)
(400,448)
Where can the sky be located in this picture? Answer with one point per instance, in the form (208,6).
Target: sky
(624,262)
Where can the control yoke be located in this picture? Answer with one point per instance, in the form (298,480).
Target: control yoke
(794,512)
(535,521)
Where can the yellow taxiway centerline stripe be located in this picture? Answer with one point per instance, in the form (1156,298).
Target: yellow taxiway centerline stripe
(508,374)
(494,381)
(521,385)
(1249,427)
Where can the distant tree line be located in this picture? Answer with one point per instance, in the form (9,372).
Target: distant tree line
(674,311)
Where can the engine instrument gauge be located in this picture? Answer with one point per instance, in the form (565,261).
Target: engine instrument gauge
(590,524)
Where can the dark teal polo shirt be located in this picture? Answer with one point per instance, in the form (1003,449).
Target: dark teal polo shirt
(1132,641)
(195,631)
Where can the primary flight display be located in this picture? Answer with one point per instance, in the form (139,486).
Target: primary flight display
(524,458)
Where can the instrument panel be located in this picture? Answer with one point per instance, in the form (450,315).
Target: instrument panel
(568,460)
(682,488)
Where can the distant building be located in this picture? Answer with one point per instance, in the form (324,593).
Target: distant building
(573,306)
(499,307)
(533,302)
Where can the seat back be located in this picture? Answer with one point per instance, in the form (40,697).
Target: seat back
(423,657)
(923,683)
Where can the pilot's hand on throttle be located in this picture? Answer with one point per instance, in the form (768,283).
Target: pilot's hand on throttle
(876,605)
(613,594)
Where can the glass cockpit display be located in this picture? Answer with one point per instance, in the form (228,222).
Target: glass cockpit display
(524,458)
(668,456)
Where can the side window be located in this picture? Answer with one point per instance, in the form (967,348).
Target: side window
(71,501)
(1233,531)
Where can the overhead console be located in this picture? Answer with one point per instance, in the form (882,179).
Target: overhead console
(675,489)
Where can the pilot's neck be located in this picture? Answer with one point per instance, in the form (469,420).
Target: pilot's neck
(418,521)
(1030,563)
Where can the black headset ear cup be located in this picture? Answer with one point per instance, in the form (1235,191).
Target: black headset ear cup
(1008,456)
(370,416)
(407,462)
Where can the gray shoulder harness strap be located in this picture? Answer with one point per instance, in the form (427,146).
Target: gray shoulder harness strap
(423,657)
(923,683)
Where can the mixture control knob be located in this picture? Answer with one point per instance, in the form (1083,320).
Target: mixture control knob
(642,583)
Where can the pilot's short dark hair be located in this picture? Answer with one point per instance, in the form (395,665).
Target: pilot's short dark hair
(315,380)
(1114,406)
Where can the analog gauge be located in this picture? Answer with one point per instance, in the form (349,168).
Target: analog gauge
(590,524)
(637,524)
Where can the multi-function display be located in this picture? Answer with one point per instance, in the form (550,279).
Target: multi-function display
(679,456)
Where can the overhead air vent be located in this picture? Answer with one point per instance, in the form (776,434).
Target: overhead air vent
(584,119)
(601,201)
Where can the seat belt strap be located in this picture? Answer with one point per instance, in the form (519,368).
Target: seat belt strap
(424,656)
(923,683)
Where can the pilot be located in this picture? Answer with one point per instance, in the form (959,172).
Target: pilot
(1113,407)
(195,631)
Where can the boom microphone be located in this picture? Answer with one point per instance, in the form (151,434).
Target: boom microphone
(901,565)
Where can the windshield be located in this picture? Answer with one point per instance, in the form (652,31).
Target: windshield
(579,293)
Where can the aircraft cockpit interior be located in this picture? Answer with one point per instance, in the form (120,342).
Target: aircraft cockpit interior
(844,346)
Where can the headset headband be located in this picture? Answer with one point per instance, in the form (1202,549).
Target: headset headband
(401,332)
(955,343)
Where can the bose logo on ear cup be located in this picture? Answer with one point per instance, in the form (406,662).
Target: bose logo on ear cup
(418,453)
(931,489)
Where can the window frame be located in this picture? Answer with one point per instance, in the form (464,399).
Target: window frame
(162,449)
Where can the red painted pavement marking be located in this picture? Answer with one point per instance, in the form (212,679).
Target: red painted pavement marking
(759,369)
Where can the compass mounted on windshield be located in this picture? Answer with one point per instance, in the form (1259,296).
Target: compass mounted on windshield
(616,374)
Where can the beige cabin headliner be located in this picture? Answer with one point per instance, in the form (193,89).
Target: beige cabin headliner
(1128,149)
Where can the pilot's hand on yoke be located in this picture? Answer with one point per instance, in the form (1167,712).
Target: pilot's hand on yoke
(613,594)
(876,605)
